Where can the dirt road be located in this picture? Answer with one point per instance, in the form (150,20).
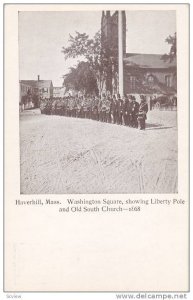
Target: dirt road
(66,155)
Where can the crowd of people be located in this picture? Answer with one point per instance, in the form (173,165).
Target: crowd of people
(116,110)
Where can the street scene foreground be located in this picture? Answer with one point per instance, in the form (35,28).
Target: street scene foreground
(62,154)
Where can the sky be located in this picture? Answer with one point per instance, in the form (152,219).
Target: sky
(43,34)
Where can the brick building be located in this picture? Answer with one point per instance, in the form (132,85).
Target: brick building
(143,73)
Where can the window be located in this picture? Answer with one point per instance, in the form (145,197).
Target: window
(150,79)
(132,81)
(168,80)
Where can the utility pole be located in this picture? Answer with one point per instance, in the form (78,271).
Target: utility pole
(120,52)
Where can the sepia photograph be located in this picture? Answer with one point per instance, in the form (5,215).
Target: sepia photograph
(96,117)
(98,102)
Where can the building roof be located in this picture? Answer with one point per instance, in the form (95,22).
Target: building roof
(38,83)
(150,61)
(44,83)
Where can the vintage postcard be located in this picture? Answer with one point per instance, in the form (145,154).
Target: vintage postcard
(96,148)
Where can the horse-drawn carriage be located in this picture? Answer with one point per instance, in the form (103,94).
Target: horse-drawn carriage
(164,102)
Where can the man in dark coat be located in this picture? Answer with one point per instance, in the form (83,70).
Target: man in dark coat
(130,111)
(143,109)
(95,112)
(108,110)
(126,111)
(113,109)
(134,112)
(120,110)
(104,109)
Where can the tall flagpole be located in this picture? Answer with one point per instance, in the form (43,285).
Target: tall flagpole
(120,52)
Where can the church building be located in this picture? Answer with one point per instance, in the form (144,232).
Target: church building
(143,73)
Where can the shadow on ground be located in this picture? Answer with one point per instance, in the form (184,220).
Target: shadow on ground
(150,126)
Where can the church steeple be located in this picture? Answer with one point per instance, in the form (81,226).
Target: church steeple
(124,32)
(108,13)
(109,42)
